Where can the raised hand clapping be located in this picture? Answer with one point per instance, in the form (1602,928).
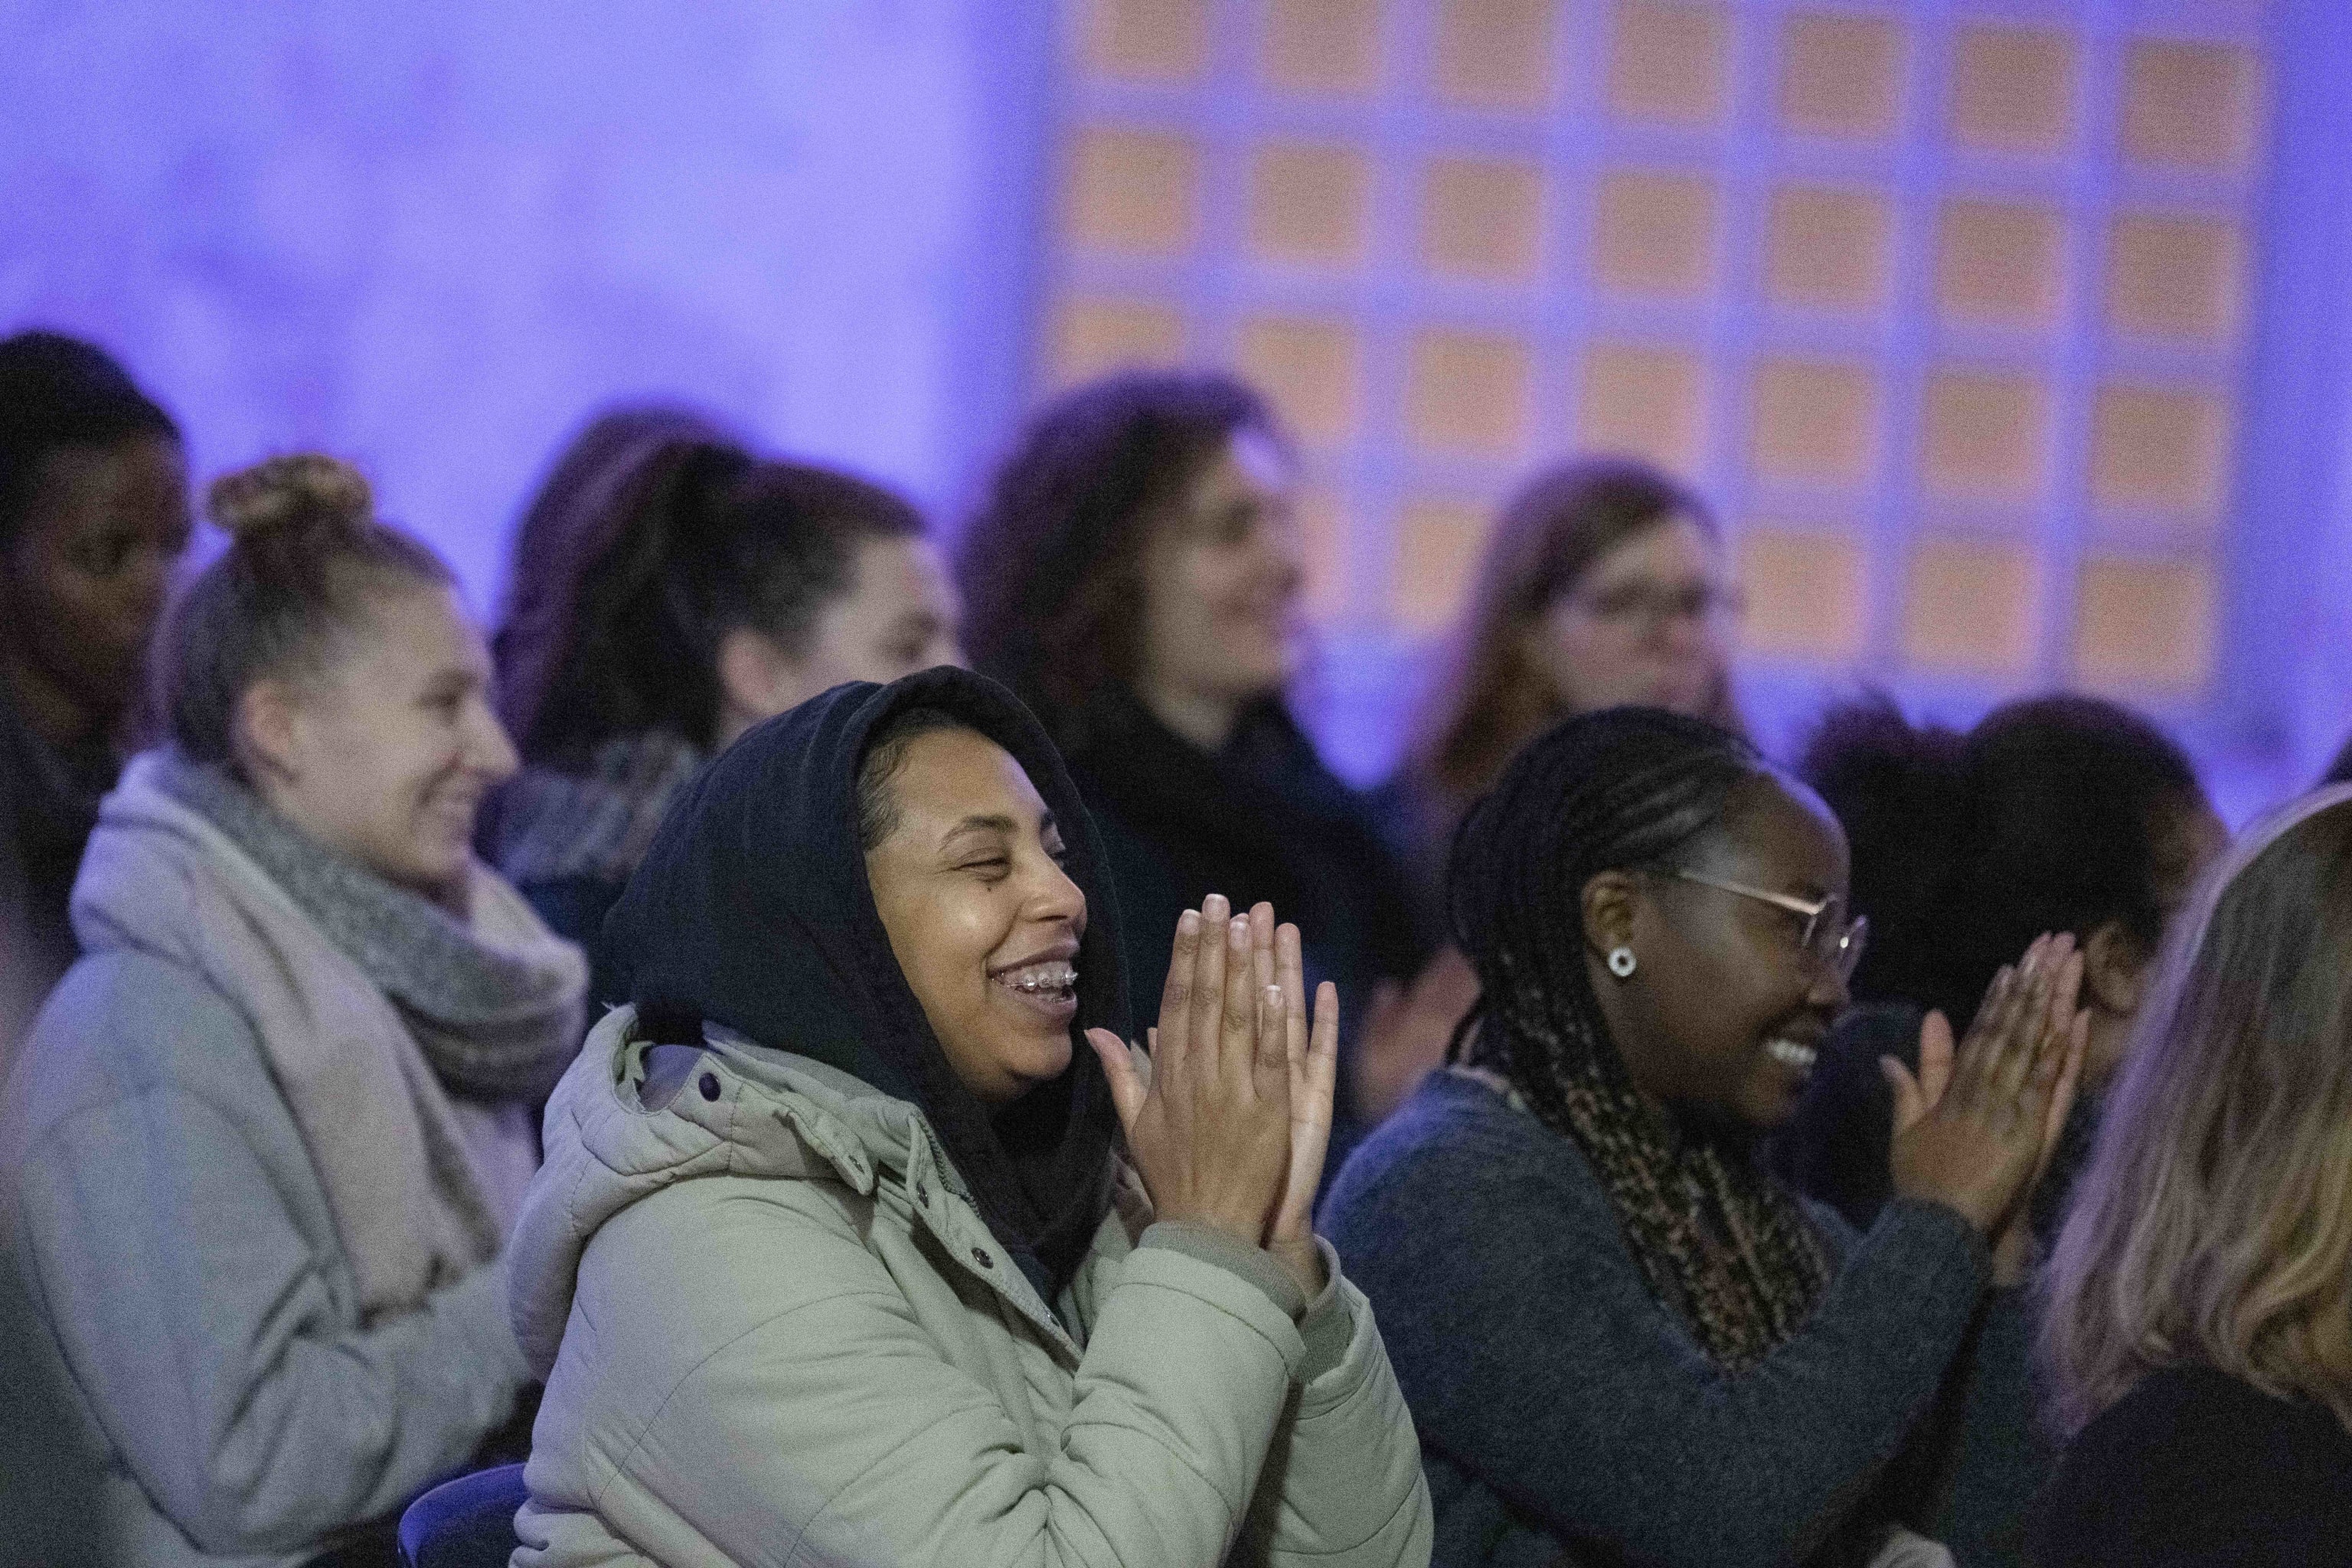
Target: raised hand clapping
(1974,1129)
(1229,1117)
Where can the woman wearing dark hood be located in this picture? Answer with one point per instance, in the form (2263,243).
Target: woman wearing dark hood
(835,1259)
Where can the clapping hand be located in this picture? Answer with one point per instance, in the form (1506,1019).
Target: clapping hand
(1229,1116)
(1974,1128)
(1312,1053)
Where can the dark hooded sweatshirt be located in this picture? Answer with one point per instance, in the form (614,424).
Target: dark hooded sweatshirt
(751,910)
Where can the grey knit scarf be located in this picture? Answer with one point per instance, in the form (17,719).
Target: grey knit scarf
(496,1019)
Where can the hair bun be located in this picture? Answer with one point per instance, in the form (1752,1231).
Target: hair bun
(305,488)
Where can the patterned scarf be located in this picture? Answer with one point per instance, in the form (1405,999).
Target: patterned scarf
(551,824)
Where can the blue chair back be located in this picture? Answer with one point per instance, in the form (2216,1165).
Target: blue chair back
(467,1522)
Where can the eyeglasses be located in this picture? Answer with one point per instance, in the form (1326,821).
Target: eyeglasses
(1829,938)
(1650,605)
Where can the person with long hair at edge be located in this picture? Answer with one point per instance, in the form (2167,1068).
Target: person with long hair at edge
(94,519)
(2197,1329)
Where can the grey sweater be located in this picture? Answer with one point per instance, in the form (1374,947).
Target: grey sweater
(1560,1405)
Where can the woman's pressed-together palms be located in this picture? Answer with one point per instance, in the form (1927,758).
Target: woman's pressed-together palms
(1229,1114)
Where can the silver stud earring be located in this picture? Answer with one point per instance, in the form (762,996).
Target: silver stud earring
(1621,963)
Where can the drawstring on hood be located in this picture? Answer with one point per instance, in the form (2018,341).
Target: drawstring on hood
(751,910)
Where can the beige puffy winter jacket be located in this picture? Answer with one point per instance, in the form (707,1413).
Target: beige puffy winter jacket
(780,1333)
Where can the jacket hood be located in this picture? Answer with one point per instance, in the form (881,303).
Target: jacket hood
(751,911)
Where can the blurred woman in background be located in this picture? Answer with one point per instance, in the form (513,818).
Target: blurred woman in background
(1623,1341)
(93,520)
(1134,575)
(2199,1318)
(2064,813)
(1604,585)
(267,1142)
(668,592)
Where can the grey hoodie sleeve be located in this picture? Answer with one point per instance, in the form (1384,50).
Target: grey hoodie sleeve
(1536,1361)
(197,1316)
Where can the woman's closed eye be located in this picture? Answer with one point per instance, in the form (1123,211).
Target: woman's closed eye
(444,705)
(996,865)
(989,866)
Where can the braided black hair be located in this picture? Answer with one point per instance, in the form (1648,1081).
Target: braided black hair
(1628,789)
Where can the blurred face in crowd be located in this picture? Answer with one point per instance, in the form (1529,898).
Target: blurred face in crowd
(385,751)
(1647,623)
(2117,971)
(86,578)
(1727,1004)
(1222,576)
(898,615)
(983,920)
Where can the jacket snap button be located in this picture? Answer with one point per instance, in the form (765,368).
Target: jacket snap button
(982,1258)
(922,1195)
(709,1085)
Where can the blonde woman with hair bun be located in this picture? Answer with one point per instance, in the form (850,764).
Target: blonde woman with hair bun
(267,1140)
(2199,1331)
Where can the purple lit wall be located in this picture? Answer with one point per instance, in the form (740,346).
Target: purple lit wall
(433,236)
(1978,322)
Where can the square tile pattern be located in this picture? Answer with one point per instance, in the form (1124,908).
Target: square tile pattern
(1942,302)
(1494,54)
(1309,205)
(1841,76)
(1829,248)
(2013,90)
(1321,48)
(1481,219)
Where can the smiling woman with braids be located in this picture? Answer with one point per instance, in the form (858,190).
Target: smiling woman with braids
(1621,1340)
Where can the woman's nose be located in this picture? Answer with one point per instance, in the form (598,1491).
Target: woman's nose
(488,749)
(150,585)
(1059,897)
